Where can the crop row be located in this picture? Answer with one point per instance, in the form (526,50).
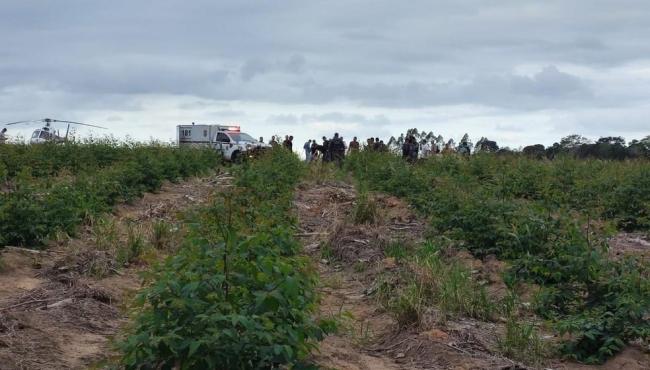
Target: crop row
(59,195)
(52,159)
(550,221)
(237,295)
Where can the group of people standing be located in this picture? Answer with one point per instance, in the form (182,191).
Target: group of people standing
(335,149)
(286,143)
(376,145)
(410,149)
(330,150)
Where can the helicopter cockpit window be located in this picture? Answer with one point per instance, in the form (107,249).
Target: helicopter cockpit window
(45,135)
(35,134)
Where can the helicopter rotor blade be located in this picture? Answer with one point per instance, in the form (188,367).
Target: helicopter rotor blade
(79,123)
(29,121)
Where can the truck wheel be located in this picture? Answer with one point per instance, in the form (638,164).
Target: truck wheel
(236,157)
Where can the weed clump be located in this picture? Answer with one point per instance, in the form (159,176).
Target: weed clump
(365,209)
(161,235)
(522,342)
(432,281)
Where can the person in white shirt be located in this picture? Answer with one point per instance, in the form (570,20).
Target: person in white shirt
(426,150)
(307,148)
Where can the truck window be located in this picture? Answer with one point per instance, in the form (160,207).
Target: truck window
(221,137)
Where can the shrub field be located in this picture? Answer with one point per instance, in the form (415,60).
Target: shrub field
(237,295)
(550,221)
(240,294)
(50,188)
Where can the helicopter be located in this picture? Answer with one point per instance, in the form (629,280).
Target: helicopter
(47,134)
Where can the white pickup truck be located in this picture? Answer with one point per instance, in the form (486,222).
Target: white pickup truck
(229,140)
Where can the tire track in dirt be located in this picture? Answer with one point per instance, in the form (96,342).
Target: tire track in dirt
(53,313)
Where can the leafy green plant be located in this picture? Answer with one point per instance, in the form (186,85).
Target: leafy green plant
(236,295)
(58,187)
(541,216)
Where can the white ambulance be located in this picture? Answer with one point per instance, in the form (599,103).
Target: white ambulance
(229,140)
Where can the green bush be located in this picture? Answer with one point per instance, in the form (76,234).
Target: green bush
(539,215)
(237,295)
(60,186)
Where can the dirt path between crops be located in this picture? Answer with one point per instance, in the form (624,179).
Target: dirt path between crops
(350,260)
(59,308)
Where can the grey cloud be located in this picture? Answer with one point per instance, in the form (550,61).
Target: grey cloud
(253,67)
(330,117)
(75,55)
(509,127)
(228,113)
(338,117)
(282,119)
(549,82)
(548,88)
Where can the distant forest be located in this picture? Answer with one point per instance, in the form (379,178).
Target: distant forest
(610,147)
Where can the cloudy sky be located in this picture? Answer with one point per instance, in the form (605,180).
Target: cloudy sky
(519,72)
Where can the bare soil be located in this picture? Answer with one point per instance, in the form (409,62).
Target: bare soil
(54,313)
(630,244)
(350,257)
(370,338)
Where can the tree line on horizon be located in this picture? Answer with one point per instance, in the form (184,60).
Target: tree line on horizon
(608,147)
